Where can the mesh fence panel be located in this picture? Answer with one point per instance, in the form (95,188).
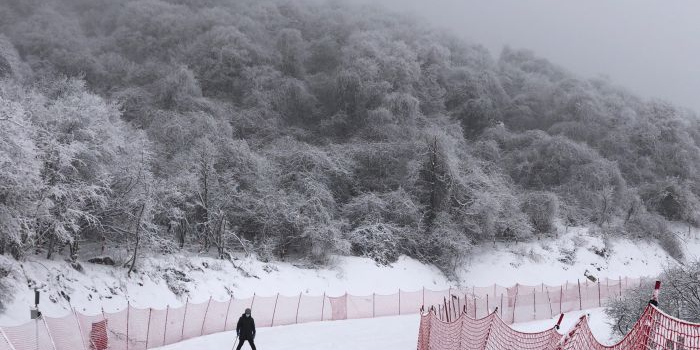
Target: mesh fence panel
(336,308)
(86,325)
(216,317)
(146,328)
(156,328)
(310,308)
(174,325)
(65,332)
(385,305)
(286,312)
(434,298)
(263,309)
(117,329)
(235,311)
(653,330)
(194,319)
(410,302)
(359,306)
(29,336)
(138,328)
(4,342)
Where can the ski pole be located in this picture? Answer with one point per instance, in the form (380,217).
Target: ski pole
(234,342)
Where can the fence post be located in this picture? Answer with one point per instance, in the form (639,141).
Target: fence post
(619,284)
(488,310)
(515,302)
(228,308)
(373,305)
(561,296)
(598,293)
(296,318)
(534,304)
(501,305)
(459,308)
(474,296)
(165,330)
(184,318)
(323,305)
(128,308)
(47,332)
(447,311)
(80,328)
(549,301)
(274,310)
(466,304)
(423,295)
(204,321)
(580,304)
(399,301)
(148,327)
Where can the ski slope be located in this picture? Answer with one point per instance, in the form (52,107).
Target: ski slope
(386,333)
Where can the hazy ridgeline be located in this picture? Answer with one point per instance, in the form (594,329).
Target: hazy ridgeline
(303,129)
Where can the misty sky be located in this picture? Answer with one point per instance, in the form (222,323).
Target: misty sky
(650,47)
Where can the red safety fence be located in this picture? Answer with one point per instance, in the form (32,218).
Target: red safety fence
(489,332)
(139,329)
(444,329)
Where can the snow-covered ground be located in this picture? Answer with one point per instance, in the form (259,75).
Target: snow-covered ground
(543,261)
(386,333)
(199,277)
(109,288)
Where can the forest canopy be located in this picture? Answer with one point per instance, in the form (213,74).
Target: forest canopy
(297,130)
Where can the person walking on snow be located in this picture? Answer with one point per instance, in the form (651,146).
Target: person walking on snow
(246,330)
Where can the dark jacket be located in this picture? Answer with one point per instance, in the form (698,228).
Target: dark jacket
(246,327)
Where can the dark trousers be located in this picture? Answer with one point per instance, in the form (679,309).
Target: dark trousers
(250,341)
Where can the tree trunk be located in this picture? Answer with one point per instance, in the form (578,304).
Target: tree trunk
(220,238)
(74,247)
(52,242)
(138,239)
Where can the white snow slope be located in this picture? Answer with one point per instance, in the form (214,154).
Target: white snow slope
(550,261)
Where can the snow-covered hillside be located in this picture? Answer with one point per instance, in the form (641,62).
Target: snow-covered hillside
(170,280)
(569,256)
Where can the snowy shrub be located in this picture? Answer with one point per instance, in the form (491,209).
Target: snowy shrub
(542,208)
(378,242)
(6,271)
(672,245)
(176,281)
(567,256)
(653,226)
(672,199)
(446,246)
(625,312)
(678,297)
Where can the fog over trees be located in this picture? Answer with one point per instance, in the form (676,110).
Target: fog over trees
(298,130)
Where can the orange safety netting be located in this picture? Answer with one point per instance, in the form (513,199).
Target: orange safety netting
(655,330)
(137,329)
